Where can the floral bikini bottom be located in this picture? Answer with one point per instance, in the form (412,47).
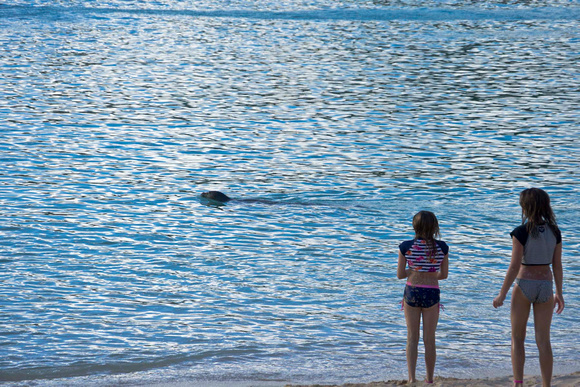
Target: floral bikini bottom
(421,296)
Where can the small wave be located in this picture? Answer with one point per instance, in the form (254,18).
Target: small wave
(80,368)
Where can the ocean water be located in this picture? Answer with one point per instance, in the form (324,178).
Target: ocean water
(330,123)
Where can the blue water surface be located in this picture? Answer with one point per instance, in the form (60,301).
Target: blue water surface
(330,123)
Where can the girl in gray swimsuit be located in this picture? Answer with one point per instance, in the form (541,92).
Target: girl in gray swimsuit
(536,244)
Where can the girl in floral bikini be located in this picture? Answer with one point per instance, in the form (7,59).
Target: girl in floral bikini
(427,260)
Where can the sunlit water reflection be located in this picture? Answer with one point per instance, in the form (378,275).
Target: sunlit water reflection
(342,119)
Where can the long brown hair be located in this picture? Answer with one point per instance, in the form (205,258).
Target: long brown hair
(426,227)
(536,210)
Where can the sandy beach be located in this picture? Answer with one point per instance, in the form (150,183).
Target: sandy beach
(557,381)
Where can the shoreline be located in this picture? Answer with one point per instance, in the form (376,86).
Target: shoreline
(564,380)
(559,380)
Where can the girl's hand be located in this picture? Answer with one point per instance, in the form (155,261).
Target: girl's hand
(559,303)
(498,301)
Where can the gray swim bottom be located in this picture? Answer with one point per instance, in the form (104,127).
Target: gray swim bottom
(537,291)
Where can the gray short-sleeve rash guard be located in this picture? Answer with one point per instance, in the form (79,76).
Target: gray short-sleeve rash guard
(538,250)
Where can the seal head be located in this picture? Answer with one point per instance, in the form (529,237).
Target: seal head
(216,195)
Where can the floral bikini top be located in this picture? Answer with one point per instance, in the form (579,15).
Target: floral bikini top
(419,256)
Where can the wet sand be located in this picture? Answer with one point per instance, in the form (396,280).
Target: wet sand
(557,381)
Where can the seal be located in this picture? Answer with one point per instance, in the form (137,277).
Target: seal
(217,198)
(216,195)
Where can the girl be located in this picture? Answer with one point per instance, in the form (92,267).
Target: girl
(427,259)
(536,244)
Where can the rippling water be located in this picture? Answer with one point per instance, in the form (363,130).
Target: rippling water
(338,120)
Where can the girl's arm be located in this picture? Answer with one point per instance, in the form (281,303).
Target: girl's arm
(558,277)
(401,271)
(444,270)
(512,272)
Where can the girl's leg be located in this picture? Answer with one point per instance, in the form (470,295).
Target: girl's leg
(520,311)
(413,318)
(430,319)
(542,321)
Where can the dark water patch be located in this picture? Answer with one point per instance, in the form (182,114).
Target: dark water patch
(360,14)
